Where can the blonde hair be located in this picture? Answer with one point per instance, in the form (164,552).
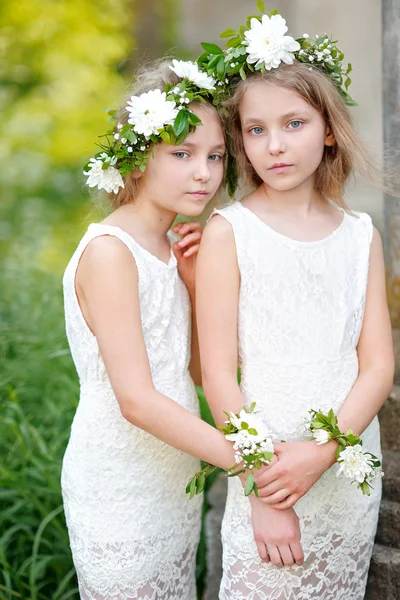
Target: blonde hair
(339,161)
(150,77)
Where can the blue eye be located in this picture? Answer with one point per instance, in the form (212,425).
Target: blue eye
(215,157)
(256,130)
(181,154)
(295,124)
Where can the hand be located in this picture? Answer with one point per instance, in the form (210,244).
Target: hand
(277,534)
(186,251)
(299,466)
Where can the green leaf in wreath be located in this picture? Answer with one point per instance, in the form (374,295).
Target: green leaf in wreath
(227,33)
(212,48)
(260,6)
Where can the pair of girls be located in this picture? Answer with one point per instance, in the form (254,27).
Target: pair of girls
(286,284)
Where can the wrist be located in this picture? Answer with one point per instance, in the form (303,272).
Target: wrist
(327,452)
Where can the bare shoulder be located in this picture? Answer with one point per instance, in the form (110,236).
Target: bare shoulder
(106,250)
(217,231)
(106,258)
(376,239)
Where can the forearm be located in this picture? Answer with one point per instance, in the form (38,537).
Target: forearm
(365,399)
(168,421)
(194,366)
(223,394)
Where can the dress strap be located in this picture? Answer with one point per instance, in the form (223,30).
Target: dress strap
(232,214)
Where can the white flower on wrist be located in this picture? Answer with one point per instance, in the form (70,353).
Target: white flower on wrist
(108,179)
(355,464)
(321,436)
(267,43)
(189,70)
(150,112)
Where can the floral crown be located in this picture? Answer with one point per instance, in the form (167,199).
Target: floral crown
(261,45)
(153,117)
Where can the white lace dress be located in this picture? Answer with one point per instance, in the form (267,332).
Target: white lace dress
(301,308)
(133,530)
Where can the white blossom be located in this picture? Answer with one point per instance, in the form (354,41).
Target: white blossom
(189,70)
(321,436)
(124,140)
(142,148)
(267,43)
(130,149)
(355,464)
(305,35)
(116,136)
(119,126)
(108,179)
(150,112)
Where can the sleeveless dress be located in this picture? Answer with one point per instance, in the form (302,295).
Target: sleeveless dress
(133,530)
(301,309)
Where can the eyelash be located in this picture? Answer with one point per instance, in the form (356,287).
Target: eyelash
(182,158)
(257,127)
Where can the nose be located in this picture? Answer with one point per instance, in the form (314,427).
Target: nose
(202,171)
(276,144)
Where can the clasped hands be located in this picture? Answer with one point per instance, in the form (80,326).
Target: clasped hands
(295,468)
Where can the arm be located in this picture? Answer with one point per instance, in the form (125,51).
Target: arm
(107,287)
(301,464)
(217,290)
(186,253)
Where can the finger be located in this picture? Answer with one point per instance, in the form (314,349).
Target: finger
(275,498)
(286,555)
(189,239)
(269,489)
(275,556)
(262,550)
(287,502)
(267,476)
(297,552)
(188,227)
(193,250)
(177,251)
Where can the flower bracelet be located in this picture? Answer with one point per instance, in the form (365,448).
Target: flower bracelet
(253,448)
(361,467)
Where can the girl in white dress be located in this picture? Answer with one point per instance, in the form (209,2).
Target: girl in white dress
(136,437)
(297,300)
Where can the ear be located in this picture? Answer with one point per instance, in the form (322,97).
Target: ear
(329,137)
(137,174)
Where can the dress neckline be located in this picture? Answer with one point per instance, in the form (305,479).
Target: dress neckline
(172,262)
(292,240)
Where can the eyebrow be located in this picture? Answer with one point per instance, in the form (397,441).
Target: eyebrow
(191,145)
(285,117)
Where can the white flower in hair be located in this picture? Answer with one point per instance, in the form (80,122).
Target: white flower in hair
(189,70)
(108,179)
(150,112)
(267,43)
(355,464)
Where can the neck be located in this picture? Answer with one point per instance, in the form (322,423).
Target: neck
(155,221)
(302,200)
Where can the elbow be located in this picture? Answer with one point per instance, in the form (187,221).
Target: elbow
(132,406)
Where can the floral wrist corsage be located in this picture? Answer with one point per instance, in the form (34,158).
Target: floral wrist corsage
(253,448)
(361,467)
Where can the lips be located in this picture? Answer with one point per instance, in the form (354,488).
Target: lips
(280,168)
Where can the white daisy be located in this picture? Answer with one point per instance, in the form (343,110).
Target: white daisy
(108,179)
(355,464)
(150,112)
(267,43)
(189,70)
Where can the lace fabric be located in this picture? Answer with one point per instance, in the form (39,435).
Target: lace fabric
(301,307)
(133,531)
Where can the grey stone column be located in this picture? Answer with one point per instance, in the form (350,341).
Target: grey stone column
(391,129)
